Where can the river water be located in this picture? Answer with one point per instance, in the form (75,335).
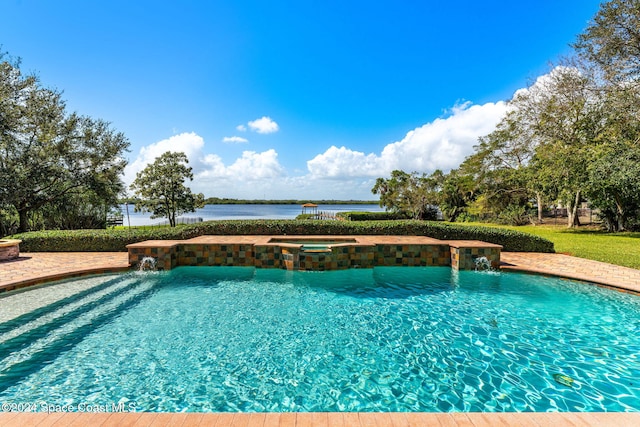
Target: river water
(212,212)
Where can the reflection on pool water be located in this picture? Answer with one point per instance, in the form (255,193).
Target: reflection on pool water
(382,339)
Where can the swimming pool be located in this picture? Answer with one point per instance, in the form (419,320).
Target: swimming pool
(381,339)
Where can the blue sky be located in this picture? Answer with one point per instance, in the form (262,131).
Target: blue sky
(306,99)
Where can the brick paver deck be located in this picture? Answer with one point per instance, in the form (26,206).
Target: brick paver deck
(32,268)
(623,278)
(321,419)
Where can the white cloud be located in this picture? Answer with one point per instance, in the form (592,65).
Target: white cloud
(241,128)
(189,143)
(251,175)
(263,125)
(234,140)
(344,162)
(444,143)
(251,166)
(309,187)
(441,144)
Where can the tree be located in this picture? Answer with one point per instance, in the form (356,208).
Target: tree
(455,192)
(615,185)
(412,194)
(48,155)
(161,190)
(565,116)
(500,167)
(611,45)
(542,147)
(612,40)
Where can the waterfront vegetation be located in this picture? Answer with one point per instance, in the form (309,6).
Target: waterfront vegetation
(585,242)
(160,188)
(117,239)
(58,169)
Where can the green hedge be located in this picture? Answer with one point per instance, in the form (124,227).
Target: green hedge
(114,240)
(371,216)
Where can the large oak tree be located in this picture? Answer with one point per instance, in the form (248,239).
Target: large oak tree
(48,155)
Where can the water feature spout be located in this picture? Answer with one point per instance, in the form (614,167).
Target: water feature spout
(482,263)
(148,264)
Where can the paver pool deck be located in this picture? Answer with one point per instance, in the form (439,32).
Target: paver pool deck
(35,268)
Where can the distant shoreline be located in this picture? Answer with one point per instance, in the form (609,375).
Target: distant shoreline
(229,211)
(222,201)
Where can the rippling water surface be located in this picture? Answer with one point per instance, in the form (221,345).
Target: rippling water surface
(386,339)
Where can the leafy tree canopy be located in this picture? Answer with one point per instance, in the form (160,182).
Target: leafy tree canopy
(411,194)
(160,188)
(48,156)
(612,40)
(614,185)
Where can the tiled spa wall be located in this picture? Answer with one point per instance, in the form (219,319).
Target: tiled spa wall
(335,258)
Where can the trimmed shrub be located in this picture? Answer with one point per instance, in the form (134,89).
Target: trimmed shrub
(371,216)
(306,216)
(115,240)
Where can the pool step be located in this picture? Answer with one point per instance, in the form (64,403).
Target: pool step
(25,351)
(67,308)
(30,316)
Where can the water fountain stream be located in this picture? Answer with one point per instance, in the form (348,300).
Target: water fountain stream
(148,264)
(482,263)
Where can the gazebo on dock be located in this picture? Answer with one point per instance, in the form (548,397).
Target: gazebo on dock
(310,208)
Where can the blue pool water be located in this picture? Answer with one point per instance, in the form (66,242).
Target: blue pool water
(383,339)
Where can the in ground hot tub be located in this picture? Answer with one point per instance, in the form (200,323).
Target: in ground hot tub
(315,253)
(313,243)
(9,249)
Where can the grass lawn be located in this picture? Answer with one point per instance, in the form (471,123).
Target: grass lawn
(586,242)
